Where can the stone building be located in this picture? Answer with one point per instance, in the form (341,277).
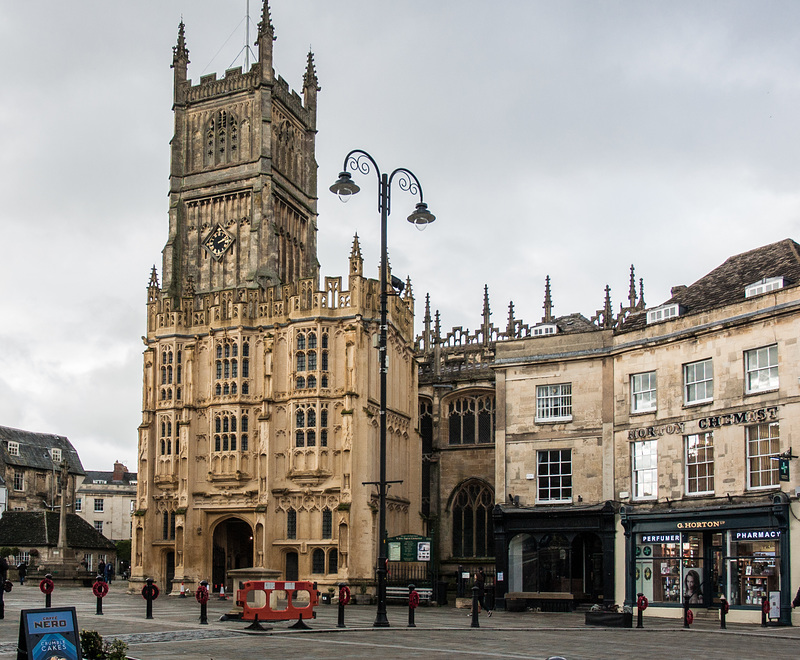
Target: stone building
(30,464)
(651,452)
(106,501)
(261,388)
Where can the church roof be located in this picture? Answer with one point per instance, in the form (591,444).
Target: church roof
(34,450)
(40,528)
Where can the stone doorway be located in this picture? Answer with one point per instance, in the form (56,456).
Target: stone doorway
(233,548)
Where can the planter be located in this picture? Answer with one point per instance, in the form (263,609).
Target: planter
(610,619)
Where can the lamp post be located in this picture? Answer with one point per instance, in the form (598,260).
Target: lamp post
(344,187)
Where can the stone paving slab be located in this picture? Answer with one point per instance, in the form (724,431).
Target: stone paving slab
(175,632)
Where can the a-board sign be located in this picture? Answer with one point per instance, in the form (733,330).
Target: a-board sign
(409,547)
(49,634)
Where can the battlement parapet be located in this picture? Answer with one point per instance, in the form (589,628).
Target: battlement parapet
(234,81)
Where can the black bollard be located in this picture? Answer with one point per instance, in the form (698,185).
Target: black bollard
(411,605)
(150,593)
(46,586)
(344,598)
(686,611)
(475,605)
(764,610)
(2,601)
(723,611)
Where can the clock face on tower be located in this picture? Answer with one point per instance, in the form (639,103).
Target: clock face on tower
(217,242)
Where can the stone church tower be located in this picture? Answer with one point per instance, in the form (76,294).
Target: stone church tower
(261,388)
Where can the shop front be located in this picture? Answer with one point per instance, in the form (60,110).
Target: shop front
(555,557)
(739,553)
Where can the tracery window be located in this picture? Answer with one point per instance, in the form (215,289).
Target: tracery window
(327,523)
(166,437)
(308,425)
(222,138)
(291,524)
(473,531)
(471,419)
(231,431)
(227,367)
(309,357)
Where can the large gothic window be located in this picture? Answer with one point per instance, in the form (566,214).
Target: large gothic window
(473,532)
(222,139)
(471,419)
(426,434)
(309,427)
(230,432)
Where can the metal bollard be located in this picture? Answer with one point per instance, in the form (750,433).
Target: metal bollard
(641,606)
(723,611)
(764,610)
(46,586)
(413,601)
(344,599)
(687,614)
(5,587)
(99,589)
(475,605)
(149,593)
(201,596)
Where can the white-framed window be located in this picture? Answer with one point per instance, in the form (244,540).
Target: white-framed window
(698,382)
(700,463)
(643,392)
(645,469)
(78,504)
(761,369)
(554,476)
(544,329)
(99,504)
(763,446)
(55,454)
(663,313)
(98,525)
(763,286)
(88,560)
(554,403)
(19,480)
(13,448)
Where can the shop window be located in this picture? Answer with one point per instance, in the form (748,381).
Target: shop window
(761,369)
(554,476)
(472,520)
(763,446)
(753,566)
(698,382)
(546,565)
(643,392)
(645,470)
(700,464)
(554,403)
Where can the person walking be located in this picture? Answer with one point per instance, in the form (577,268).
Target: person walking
(22,569)
(109,571)
(101,570)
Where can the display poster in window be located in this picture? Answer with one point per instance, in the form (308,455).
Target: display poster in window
(423,551)
(49,634)
(394,551)
(774,604)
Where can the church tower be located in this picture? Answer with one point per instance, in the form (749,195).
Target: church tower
(260,420)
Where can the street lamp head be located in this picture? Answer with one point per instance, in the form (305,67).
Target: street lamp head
(344,187)
(421,217)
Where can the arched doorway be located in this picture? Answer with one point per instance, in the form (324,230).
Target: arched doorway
(233,548)
(292,567)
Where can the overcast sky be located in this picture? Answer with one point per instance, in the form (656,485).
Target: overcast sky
(560,138)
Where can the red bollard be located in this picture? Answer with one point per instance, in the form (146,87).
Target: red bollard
(150,593)
(641,606)
(413,603)
(201,596)
(344,599)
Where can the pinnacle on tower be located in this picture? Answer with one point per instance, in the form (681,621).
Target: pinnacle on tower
(153,278)
(641,304)
(511,322)
(548,303)
(310,80)
(632,290)
(180,54)
(265,26)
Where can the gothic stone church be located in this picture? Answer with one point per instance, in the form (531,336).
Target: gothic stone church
(261,388)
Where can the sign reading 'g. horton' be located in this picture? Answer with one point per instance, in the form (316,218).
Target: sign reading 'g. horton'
(755,416)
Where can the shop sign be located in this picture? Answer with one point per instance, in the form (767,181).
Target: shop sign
(655,431)
(661,538)
(756,534)
(701,524)
(746,417)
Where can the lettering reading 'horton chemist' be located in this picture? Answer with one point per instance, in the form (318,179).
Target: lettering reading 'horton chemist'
(746,417)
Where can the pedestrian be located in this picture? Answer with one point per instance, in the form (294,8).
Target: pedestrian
(109,571)
(101,570)
(22,569)
(3,571)
(796,600)
(480,582)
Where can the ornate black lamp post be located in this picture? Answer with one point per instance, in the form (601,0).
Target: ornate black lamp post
(361,161)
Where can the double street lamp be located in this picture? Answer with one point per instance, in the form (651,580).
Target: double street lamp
(361,161)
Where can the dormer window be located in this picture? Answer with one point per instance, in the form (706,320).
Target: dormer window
(13,449)
(663,313)
(55,454)
(763,286)
(545,329)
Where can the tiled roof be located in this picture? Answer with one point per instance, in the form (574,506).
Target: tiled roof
(575,323)
(40,528)
(34,450)
(725,285)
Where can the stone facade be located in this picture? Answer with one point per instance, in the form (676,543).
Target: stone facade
(261,388)
(106,500)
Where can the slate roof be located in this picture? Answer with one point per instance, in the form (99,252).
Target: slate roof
(40,528)
(575,323)
(725,284)
(108,477)
(34,450)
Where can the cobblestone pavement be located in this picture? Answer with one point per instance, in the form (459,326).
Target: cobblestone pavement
(441,632)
